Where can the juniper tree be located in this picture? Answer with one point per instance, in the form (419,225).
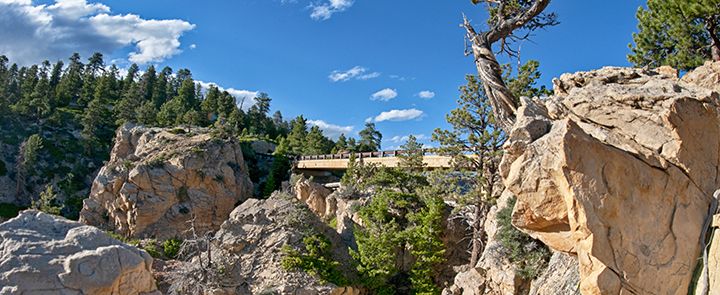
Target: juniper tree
(509,21)
(679,33)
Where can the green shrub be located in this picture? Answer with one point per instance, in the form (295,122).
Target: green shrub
(152,249)
(47,202)
(529,256)
(72,207)
(315,259)
(8,210)
(171,248)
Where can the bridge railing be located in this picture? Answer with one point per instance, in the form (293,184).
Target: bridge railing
(364,155)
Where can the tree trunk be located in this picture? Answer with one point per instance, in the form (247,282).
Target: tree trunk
(503,102)
(711,26)
(478,233)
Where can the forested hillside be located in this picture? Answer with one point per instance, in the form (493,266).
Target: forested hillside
(58,121)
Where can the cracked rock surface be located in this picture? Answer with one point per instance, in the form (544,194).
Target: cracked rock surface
(157,180)
(45,254)
(618,168)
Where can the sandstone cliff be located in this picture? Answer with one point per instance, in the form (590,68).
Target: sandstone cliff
(619,168)
(159,179)
(46,254)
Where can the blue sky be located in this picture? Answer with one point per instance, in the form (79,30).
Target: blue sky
(400,46)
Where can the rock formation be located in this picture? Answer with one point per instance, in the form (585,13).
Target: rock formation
(157,180)
(45,254)
(254,237)
(618,168)
(315,196)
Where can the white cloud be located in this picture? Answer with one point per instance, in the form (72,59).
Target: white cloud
(193,46)
(325,10)
(357,72)
(426,94)
(55,31)
(404,139)
(331,130)
(243,98)
(397,115)
(384,95)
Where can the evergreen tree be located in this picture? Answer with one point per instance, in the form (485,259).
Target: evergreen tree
(258,121)
(4,81)
(129,81)
(12,92)
(225,105)
(146,114)
(209,105)
(147,83)
(370,139)
(412,155)
(55,77)
(679,33)
(97,120)
(27,159)
(524,83)
(316,143)
(341,145)
(71,83)
(162,85)
(93,68)
(475,144)
(126,109)
(173,112)
(294,143)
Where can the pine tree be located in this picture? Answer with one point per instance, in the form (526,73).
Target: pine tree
(412,155)
(209,105)
(316,143)
(370,139)
(129,81)
(93,68)
(4,82)
(341,145)
(55,77)
(475,144)
(146,114)
(71,84)
(162,84)
(97,120)
(147,83)
(126,109)
(294,143)
(679,33)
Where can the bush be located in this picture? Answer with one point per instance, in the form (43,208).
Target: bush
(315,259)
(529,256)
(8,210)
(171,248)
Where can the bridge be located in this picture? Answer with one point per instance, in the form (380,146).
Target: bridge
(383,158)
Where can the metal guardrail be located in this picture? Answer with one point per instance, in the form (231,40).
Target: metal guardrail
(380,154)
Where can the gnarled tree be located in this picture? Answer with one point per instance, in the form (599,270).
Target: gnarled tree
(510,21)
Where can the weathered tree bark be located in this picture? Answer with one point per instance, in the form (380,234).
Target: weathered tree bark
(711,26)
(478,238)
(502,100)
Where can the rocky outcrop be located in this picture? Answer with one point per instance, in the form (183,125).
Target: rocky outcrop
(255,235)
(618,168)
(157,180)
(315,196)
(45,254)
(560,277)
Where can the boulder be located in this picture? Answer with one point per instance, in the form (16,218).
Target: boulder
(45,254)
(623,175)
(560,277)
(158,180)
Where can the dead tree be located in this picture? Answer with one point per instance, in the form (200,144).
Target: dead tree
(510,21)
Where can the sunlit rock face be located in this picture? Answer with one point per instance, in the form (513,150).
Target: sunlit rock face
(47,254)
(160,181)
(618,168)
